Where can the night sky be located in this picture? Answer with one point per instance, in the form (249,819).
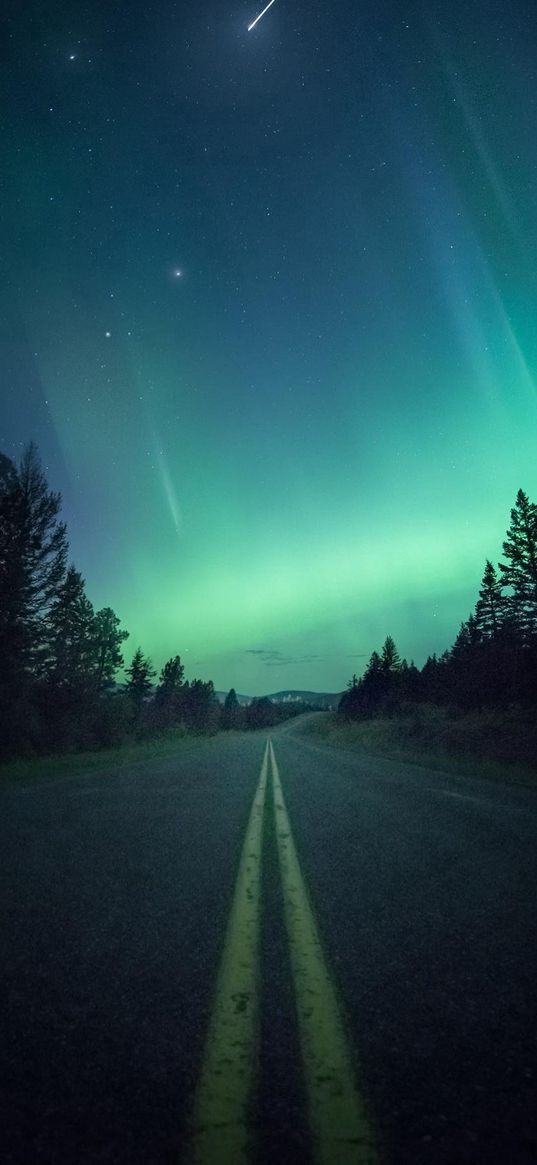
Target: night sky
(268,310)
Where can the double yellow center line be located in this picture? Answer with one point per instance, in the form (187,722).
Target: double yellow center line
(221,1129)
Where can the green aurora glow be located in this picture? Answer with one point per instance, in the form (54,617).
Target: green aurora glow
(313,438)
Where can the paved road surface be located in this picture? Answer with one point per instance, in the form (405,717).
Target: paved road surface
(115,903)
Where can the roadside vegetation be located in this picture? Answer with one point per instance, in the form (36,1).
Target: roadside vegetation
(478,701)
(113,760)
(66,689)
(487,743)
(60,660)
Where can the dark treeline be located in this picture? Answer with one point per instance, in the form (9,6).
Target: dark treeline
(59,658)
(493,661)
(259,713)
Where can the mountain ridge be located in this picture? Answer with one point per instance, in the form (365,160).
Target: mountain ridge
(288,696)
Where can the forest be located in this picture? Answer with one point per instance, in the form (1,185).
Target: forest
(493,661)
(60,659)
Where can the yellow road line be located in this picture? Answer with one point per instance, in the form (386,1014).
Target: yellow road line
(219,1133)
(338,1117)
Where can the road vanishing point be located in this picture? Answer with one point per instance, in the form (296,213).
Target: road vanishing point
(265,950)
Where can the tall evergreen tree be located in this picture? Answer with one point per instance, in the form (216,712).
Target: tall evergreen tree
(431,680)
(231,713)
(171,679)
(374,667)
(107,639)
(140,673)
(33,554)
(350,704)
(491,604)
(390,659)
(465,666)
(201,705)
(170,692)
(374,685)
(468,636)
(10,598)
(8,475)
(519,573)
(410,681)
(70,655)
(43,542)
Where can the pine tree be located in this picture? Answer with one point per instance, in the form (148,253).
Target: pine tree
(8,475)
(107,639)
(261,713)
(170,679)
(390,660)
(70,656)
(430,677)
(465,666)
(231,713)
(491,604)
(520,571)
(170,692)
(468,636)
(140,674)
(351,702)
(410,681)
(33,554)
(374,666)
(374,686)
(43,542)
(10,590)
(201,705)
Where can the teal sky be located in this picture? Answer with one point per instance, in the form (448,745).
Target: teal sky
(269,314)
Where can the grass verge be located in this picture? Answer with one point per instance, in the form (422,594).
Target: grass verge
(500,745)
(110,759)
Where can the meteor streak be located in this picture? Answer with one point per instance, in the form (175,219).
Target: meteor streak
(254,22)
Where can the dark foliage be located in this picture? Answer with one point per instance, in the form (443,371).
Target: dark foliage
(138,687)
(108,638)
(169,696)
(493,661)
(266,713)
(59,659)
(200,709)
(33,554)
(520,571)
(231,712)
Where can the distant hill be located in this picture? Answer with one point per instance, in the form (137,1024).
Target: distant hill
(220,696)
(293,696)
(316,699)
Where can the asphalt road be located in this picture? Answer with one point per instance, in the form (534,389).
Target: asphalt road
(116,890)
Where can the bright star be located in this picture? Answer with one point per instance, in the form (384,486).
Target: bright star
(176,273)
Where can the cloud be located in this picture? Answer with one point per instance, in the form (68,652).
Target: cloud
(265,655)
(278,659)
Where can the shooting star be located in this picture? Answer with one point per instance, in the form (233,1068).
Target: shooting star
(254,22)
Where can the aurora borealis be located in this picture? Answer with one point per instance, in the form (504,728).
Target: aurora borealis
(268,311)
